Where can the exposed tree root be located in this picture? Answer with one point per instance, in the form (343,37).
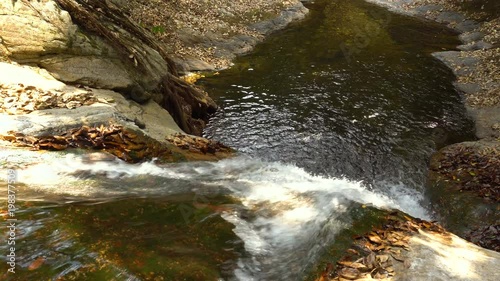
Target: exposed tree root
(189,106)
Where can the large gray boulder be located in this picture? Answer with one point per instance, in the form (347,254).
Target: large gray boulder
(42,33)
(108,108)
(93,43)
(33,29)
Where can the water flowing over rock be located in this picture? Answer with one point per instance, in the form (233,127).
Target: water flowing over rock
(353,182)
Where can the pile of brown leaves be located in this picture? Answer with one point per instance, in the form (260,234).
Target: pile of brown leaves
(125,145)
(372,255)
(197,144)
(473,169)
(18,99)
(487,237)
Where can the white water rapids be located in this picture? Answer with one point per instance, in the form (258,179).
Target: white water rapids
(293,213)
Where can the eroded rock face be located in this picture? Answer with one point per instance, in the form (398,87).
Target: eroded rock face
(32,29)
(43,113)
(107,107)
(463,188)
(50,39)
(93,71)
(94,44)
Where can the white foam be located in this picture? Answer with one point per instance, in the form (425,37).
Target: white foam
(293,212)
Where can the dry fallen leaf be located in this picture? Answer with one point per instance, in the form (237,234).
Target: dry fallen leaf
(352,252)
(381,275)
(36,264)
(398,257)
(382,258)
(370,260)
(375,238)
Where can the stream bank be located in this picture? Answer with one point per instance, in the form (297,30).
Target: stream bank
(208,35)
(470,170)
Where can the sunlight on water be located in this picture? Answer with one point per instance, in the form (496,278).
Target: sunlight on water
(252,180)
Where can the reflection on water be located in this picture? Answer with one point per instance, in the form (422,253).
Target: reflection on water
(335,117)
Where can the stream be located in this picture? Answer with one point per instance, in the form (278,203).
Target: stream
(333,119)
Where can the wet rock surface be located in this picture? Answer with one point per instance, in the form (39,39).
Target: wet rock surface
(405,248)
(463,186)
(198,145)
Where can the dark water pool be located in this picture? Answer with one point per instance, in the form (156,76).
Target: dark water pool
(352,90)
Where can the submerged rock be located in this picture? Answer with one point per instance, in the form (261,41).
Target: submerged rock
(155,238)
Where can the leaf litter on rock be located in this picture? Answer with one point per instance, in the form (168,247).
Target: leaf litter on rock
(382,247)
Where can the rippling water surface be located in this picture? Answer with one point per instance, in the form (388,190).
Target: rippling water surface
(352,91)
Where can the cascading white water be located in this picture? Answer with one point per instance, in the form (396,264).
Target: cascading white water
(289,214)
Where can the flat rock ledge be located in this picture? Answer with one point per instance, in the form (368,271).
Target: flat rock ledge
(34,117)
(405,248)
(94,70)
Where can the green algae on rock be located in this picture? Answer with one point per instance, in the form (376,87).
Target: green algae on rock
(171,238)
